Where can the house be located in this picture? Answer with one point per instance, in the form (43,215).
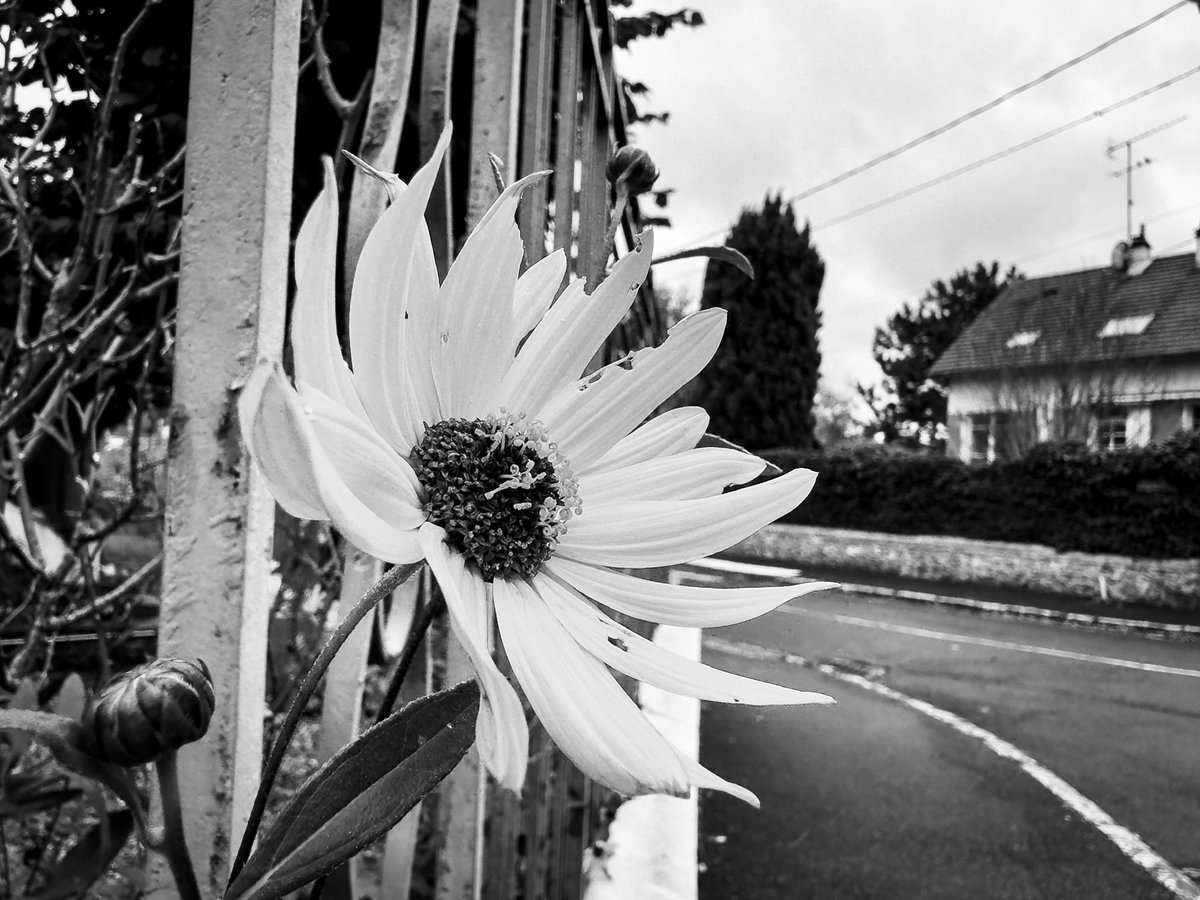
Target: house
(1110,356)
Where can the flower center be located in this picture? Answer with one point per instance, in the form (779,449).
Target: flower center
(500,489)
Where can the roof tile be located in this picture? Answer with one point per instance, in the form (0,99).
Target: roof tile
(1070,310)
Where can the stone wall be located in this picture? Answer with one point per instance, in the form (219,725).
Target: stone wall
(1172,583)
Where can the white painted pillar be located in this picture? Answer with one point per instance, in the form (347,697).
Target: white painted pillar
(232,295)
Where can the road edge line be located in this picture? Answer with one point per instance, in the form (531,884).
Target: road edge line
(1125,840)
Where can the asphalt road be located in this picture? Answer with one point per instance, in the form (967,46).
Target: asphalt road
(878,797)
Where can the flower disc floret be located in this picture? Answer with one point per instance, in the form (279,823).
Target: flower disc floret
(500,489)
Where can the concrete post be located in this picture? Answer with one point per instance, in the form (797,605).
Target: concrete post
(232,296)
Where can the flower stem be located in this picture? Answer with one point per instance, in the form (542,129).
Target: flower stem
(176,842)
(391,579)
(614,223)
(429,611)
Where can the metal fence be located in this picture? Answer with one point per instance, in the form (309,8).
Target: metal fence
(531,81)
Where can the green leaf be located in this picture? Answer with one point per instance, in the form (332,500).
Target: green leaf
(87,860)
(67,741)
(24,794)
(361,792)
(724,254)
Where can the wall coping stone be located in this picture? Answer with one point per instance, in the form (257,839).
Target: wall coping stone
(1172,583)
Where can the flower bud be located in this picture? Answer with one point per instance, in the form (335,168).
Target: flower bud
(635,166)
(150,710)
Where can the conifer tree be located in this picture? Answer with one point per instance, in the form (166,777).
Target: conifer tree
(759,388)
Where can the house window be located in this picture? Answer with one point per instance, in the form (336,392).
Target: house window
(1124,327)
(981,438)
(991,436)
(1022,339)
(1111,429)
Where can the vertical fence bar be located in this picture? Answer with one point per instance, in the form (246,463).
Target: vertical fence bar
(494,127)
(342,707)
(384,119)
(536,95)
(459,823)
(566,150)
(495,107)
(593,193)
(437,71)
(232,296)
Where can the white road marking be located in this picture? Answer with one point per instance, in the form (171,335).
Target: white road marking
(745,568)
(989,642)
(1137,850)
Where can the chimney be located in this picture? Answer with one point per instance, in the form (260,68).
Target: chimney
(1139,254)
(1198,248)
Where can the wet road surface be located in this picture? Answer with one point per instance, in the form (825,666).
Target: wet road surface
(879,798)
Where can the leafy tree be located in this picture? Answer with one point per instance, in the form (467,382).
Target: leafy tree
(911,408)
(759,388)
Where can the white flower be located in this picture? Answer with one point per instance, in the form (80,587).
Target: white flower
(466,436)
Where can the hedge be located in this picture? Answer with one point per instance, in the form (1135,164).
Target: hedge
(1138,502)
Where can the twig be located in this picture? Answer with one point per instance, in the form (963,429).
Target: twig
(429,611)
(69,285)
(101,604)
(29,398)
(340,104)
(31,537)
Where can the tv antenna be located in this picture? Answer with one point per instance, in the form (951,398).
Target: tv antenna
(1131,164)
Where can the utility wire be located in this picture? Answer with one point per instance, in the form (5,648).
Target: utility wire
(1006,152)
(966,117)
(854,310)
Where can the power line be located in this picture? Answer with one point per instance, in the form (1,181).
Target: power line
(925,185)
(853,311)
(965,117)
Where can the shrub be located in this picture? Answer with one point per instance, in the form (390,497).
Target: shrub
(1142,502)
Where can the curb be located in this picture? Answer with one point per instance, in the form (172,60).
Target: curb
(653,841)
(1011,610)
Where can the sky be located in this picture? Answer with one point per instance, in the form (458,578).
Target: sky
(782,95)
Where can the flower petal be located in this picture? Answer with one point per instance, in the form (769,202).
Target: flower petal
(703,472)
(501,730)
(630,653)
(393,313)
(536,290)
(592,720)
(589,416)
(390,180)
(673,432)
(283,440)
(315,347)
(644,534)
(371,468)
(572,330)
(475,319)
(676,604)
